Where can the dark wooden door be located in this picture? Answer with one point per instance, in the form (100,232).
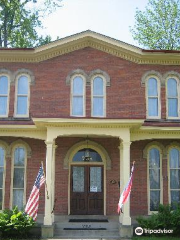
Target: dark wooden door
(87,190)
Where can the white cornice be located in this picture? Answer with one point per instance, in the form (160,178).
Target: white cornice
(94,40)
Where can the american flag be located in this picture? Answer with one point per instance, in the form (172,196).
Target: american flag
(33,201)
(126,192)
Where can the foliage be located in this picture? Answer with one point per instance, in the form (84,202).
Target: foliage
(166,218)
(15,223)
(158,26)
(21,19)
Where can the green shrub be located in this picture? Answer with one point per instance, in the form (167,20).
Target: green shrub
(166,218)
(15,223)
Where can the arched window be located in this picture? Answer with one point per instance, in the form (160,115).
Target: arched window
(22,97)
(87,155)
(153,98)
(78,96)
(172,98)
(4,96)
(154,181)
(98,97)
(174,176)
(19,176)
(2,172)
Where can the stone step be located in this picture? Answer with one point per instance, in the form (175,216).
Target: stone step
(108,225)
(86,234)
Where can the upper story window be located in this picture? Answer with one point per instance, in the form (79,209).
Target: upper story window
(22,97)
(4,96)
(174,176)
(2,170)
(19,177)
(98,97)
(172,98)
(78,96)
(153,98)
(154,181)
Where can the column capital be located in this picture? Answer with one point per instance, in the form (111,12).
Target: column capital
(124,144)
(50,143)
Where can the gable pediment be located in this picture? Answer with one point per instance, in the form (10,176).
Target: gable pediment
(93,40)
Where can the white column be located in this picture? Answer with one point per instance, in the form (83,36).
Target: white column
(49,181)
(53,179)
(125,218)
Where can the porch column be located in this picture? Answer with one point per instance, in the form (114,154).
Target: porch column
(53,179)
(125,218)
(49,180)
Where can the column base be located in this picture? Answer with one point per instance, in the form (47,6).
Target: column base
(125,231)
(47,231)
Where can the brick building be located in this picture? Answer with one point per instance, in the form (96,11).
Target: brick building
(88,106)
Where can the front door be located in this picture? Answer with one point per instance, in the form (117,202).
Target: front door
(87,190)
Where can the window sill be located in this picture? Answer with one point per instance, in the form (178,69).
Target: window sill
(15,119)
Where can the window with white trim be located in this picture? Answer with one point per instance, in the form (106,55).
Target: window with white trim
(98,97)
(174,176)
(153,98)
(172,98)
(2,172)
(78,96)
(22,97)
(4,96)
(19,177)
(154,181)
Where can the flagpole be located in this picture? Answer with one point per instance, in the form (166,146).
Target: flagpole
(45,181)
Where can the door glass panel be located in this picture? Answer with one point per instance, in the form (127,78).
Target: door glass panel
(95,179)
(78,179)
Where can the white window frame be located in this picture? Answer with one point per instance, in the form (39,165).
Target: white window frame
(148,182)
(16,97)
(4,177)
(168,168)
(177,80)
(72,95)
(6,95)
(12,174)
(103,96)
(159,97)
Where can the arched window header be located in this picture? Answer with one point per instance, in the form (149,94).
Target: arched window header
(88,77)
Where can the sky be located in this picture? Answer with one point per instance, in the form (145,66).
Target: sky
(109,17)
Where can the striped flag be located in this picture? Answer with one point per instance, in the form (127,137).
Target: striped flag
(33,201)
(126,192)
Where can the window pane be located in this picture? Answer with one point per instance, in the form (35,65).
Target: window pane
(77,106)
(3,85)
(154,178)
(22,105)
(175,198)
(18,198)
(23,85)
(1,198)
(95,179)
(154,158)
(153,107)
(154,200)
(1,156)
(98,86)
(78,179)
(19,157)
(3,105)
(172,87)
(18,180)
(98,106)
(152,87)
(77,86)
(173,107)
(78,157)
(174,158)
(1,177)
(175,179)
